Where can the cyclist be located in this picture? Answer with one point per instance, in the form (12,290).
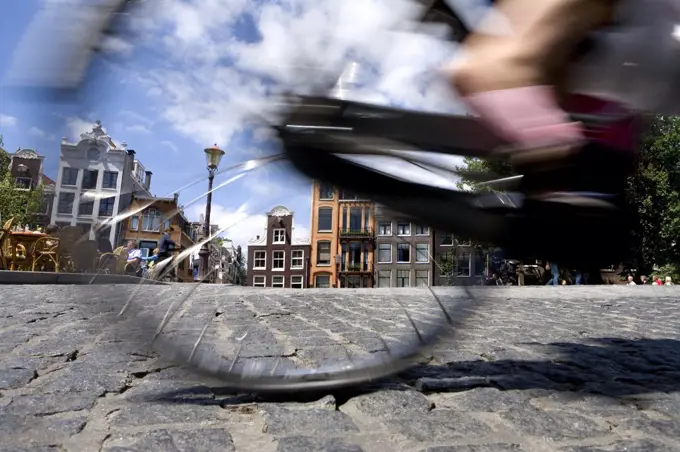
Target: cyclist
(511,70)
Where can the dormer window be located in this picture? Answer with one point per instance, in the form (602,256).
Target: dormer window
(279,237)
(93,155)
(23,183)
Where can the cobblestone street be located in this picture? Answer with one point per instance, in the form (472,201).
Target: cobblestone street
(534,369)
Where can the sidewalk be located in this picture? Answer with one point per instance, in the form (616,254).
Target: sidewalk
(537,369)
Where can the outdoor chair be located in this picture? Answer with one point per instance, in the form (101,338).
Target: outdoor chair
(114,262)
(68,237)
(45,253)
(8,256)
(84,256)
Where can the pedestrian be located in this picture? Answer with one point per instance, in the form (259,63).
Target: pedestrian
(555,271)
(52,230)
(165,244)
(134,259)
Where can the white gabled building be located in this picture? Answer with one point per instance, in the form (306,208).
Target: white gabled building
(95,182)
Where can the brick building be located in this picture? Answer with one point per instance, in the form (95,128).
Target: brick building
(26,167)
(343,236)
(276,259)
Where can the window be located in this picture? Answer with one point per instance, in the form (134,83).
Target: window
(384,278)
(348,195)
(278,260)
(322,281)
(134,223)
(403,228)
(354,263)
(296,282)
(85,207)
(93,154)
(323,253)
(325,191)
(422,252)
(463,264)
(23,183)
(422,229)
(151,220)
(297,259)
(384,253)
(446,239)
(385,228)
(260,260)
(277,281)
(84,228)
(66,203)
(147,247)
(279,236)
(422,278)
(355,218)
(110,179)
(89,181)
(106,206)
(480,264)
(403,252)
(69,176)
(259,281)
(325,219)
(403,278)
(446,263)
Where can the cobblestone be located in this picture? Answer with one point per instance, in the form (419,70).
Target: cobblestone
(568,369)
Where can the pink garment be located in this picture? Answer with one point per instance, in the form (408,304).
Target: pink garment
(528,116)
(531,117)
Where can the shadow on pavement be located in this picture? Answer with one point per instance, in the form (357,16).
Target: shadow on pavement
(609,366)
(605,366)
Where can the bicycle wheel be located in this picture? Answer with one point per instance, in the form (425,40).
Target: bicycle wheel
(266,340)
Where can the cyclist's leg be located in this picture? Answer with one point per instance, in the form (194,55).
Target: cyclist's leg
(508,70)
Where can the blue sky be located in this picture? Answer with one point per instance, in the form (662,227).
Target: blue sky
(199,71)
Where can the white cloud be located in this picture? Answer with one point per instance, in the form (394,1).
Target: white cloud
(7,120)
(138,128)
(135,117)
(244,226)
(212,85)
(170,145)
(76,126)
(36,132)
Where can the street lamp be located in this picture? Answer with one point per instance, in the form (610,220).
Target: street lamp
(213,155)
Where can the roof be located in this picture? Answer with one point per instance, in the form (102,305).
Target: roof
(48,181)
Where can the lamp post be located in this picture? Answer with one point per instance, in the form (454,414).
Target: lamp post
(213,155)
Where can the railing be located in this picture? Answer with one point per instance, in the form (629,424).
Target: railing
(358,232)
(354,268)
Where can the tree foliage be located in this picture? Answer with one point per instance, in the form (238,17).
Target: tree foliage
(22,205)
(240,270)
(654,192)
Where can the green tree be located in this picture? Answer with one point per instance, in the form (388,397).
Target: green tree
(654,192)
(473,166)
(240,263)
(22,205)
